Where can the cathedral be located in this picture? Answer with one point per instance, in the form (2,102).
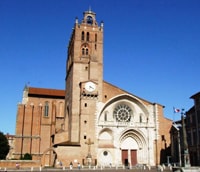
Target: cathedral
(91,121)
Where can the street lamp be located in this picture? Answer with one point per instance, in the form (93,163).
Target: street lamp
(177,127)
(186,156)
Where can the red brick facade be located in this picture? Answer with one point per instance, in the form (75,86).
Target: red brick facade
(57,125)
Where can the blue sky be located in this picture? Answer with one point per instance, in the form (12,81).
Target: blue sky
(151,49)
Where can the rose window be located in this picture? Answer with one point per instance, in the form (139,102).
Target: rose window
(122,113)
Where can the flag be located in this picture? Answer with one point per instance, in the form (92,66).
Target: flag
(176,110)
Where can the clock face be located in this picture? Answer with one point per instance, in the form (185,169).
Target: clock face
(90,86)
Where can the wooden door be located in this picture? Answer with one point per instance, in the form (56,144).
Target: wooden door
(133,157)
(125,157)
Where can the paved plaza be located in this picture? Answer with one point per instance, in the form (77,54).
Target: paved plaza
(154,169)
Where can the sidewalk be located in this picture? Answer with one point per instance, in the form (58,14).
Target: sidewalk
(153,169)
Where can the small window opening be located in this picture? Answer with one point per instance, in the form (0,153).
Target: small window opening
(140,118)
(105,116)
(95,37)
(88,36)
(83,36)
(89,20)
(105,153)
(86,51)
(46,109)
(83,51)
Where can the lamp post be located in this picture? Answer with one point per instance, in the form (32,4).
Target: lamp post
(179,148)
(186,156)
(178,138)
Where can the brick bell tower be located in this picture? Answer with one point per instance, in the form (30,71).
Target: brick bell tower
(84,77)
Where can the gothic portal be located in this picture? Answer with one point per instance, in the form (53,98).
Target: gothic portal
(92,121)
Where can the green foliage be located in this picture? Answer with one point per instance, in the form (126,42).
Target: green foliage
(4,146)
(27,156)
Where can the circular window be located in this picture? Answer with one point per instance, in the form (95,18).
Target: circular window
(105,153)
(122,113)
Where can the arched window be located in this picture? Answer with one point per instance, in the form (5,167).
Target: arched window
(83,51)
(89,20)
(105,116)
(83,36)
(86,51)
(140,118)
(46,109)
(88,36)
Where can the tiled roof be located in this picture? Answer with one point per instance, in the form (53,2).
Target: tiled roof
(46,92)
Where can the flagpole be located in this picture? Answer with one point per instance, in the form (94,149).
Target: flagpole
(174,114)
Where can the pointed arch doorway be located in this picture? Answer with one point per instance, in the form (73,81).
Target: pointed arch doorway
(129,149)
(49,157)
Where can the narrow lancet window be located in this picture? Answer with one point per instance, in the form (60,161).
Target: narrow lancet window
(95,37)
(140,118)
(83,36)
(88,36)
(105,116)
(46,109)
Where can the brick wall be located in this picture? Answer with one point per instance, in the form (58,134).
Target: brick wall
(22,163)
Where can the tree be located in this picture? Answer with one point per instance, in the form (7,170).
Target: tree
(4,146)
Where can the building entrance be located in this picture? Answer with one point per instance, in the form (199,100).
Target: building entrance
(129,157)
